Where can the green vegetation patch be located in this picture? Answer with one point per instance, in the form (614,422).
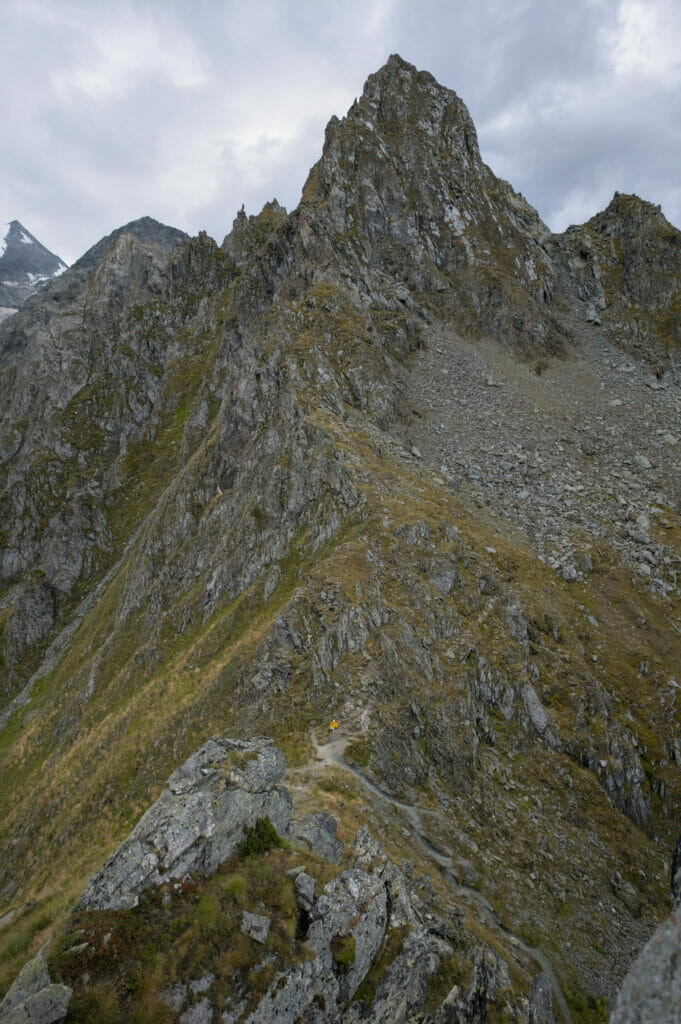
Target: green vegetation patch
(344,951)
(179,932)
(588,1008)
(452,970)
(258,839)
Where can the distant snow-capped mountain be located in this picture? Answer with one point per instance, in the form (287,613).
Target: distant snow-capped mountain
(24,265)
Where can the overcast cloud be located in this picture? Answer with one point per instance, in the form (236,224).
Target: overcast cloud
(185,109)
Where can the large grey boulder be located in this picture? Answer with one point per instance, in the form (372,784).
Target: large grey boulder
(33,999)
(651,993)
(197,822)
(317,831)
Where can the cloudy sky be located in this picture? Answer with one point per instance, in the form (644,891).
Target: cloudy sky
(185,109)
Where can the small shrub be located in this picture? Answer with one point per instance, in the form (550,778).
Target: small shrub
(213,922)
(238,956)
(359,752)
(152,1010)
(95,1004)
(344,951)
(258,838)
(15,947)
(234,887)
(589,1008)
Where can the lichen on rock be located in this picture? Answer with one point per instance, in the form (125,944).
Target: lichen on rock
(197,822)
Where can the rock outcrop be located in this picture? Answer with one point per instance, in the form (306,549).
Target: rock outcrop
(541,1002)
(399,458)
(197,822)
(358,914)
(317,831)
(33,998)
(651,993)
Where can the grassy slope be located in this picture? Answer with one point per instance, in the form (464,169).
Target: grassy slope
(84,770)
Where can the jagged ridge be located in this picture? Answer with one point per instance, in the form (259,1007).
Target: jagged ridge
(219,495)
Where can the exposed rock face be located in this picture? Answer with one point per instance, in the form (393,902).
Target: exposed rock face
(197,821)
(652,990)
(33,999)
(622,271)
(317,831)
(651,993)
(435,200)
(402,992)
(541,1006)
(332,467)
(489,974)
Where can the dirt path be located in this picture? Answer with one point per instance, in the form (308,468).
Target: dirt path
(331,753)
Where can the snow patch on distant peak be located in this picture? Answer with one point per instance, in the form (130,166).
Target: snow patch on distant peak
(3,240)
(25,239)
(60,269)
(6,311)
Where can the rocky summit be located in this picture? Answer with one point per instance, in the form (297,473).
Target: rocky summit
(340,607)
(25,264)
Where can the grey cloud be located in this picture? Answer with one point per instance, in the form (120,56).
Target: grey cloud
(185,110)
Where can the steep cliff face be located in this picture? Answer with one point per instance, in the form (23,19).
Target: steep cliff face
(373,459)
(401,198)
(622,270)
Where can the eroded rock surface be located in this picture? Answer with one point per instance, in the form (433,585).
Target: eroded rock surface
(400,449)
(651,993)
(33,998)
(197,821)
(317,831)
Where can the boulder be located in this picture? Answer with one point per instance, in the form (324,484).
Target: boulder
(317,831)
(304,885)
(33,999)
(256,926)
(651,991)
(197,822)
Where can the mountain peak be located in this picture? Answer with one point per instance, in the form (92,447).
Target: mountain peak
(399,94)
(396,64)
(144,229)
(25,264)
